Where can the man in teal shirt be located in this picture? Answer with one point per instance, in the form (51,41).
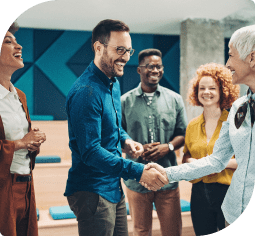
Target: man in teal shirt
(155,117)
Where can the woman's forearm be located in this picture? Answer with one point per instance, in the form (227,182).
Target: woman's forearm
(187,158)
(232,164)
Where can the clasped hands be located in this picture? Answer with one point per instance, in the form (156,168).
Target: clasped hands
(154,176)
(31,141)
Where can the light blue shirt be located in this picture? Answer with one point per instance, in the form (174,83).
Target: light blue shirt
(232,141)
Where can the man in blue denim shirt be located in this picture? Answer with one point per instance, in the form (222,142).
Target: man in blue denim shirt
(93,107)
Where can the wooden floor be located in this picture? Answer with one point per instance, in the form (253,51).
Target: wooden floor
(50,182)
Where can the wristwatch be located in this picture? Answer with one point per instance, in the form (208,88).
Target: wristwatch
(171,146)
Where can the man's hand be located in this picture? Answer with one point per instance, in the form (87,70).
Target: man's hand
(153,179)
(149,146)
(157,167)
(134,149)
(155,151)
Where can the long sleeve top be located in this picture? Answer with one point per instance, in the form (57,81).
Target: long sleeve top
(232,141)
(15,127)
(94,122)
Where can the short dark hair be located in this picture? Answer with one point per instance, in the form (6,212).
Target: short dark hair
(14,27)
(148,52)
(102,31)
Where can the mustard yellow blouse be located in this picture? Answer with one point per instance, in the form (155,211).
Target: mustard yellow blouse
(196,145)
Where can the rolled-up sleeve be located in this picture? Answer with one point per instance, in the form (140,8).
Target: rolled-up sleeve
(181,120)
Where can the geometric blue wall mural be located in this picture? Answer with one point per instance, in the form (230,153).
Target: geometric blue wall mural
(54,59)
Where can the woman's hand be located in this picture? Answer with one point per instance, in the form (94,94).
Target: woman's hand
(34,146)
(187,158)
(31,141)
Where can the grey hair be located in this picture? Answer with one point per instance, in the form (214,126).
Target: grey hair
(244,41)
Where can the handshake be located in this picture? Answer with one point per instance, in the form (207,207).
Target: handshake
(154,177)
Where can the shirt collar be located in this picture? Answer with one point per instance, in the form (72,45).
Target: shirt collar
(4,92)
(223,117)
(250,94)
(107,82)
(139,91)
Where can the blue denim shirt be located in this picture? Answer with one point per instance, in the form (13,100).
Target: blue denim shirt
(95,137)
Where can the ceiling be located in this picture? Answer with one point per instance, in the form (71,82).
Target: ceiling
(142,16)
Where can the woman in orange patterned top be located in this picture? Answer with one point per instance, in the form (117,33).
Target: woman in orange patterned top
(212,89)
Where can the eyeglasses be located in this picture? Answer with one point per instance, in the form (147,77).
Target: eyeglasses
(122,50)
(151,67)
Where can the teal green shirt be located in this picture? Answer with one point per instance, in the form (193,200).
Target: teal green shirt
(160,120)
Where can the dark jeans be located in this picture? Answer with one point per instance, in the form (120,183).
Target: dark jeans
(206,213)
(98,217)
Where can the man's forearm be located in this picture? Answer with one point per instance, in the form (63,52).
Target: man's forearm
(178,142)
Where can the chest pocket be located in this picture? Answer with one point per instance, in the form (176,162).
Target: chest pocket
(168,120)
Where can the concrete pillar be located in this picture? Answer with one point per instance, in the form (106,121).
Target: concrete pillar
(202,41)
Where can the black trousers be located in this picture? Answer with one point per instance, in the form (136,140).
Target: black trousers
(98,217)
(206,213)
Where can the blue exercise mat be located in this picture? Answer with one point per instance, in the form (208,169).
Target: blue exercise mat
(41,117)
(37,213)
(47,159)
(61,212)
(64,212)
(127,206)
(185,205)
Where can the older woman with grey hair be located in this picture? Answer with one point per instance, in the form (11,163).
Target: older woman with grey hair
(237,135)
(19,145)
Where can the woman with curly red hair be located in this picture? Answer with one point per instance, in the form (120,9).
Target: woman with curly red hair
(212,89)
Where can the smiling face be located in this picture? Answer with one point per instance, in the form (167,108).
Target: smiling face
(208,92)
(110,62)
(150,79)
(11,53)
(240,69)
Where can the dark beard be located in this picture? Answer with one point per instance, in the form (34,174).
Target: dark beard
(106,66)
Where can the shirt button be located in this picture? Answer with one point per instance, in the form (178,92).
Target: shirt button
(148,103)
(116,112)
(149,129)
(117,147)
(149,117)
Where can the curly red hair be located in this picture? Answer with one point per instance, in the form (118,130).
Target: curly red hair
(223,78)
